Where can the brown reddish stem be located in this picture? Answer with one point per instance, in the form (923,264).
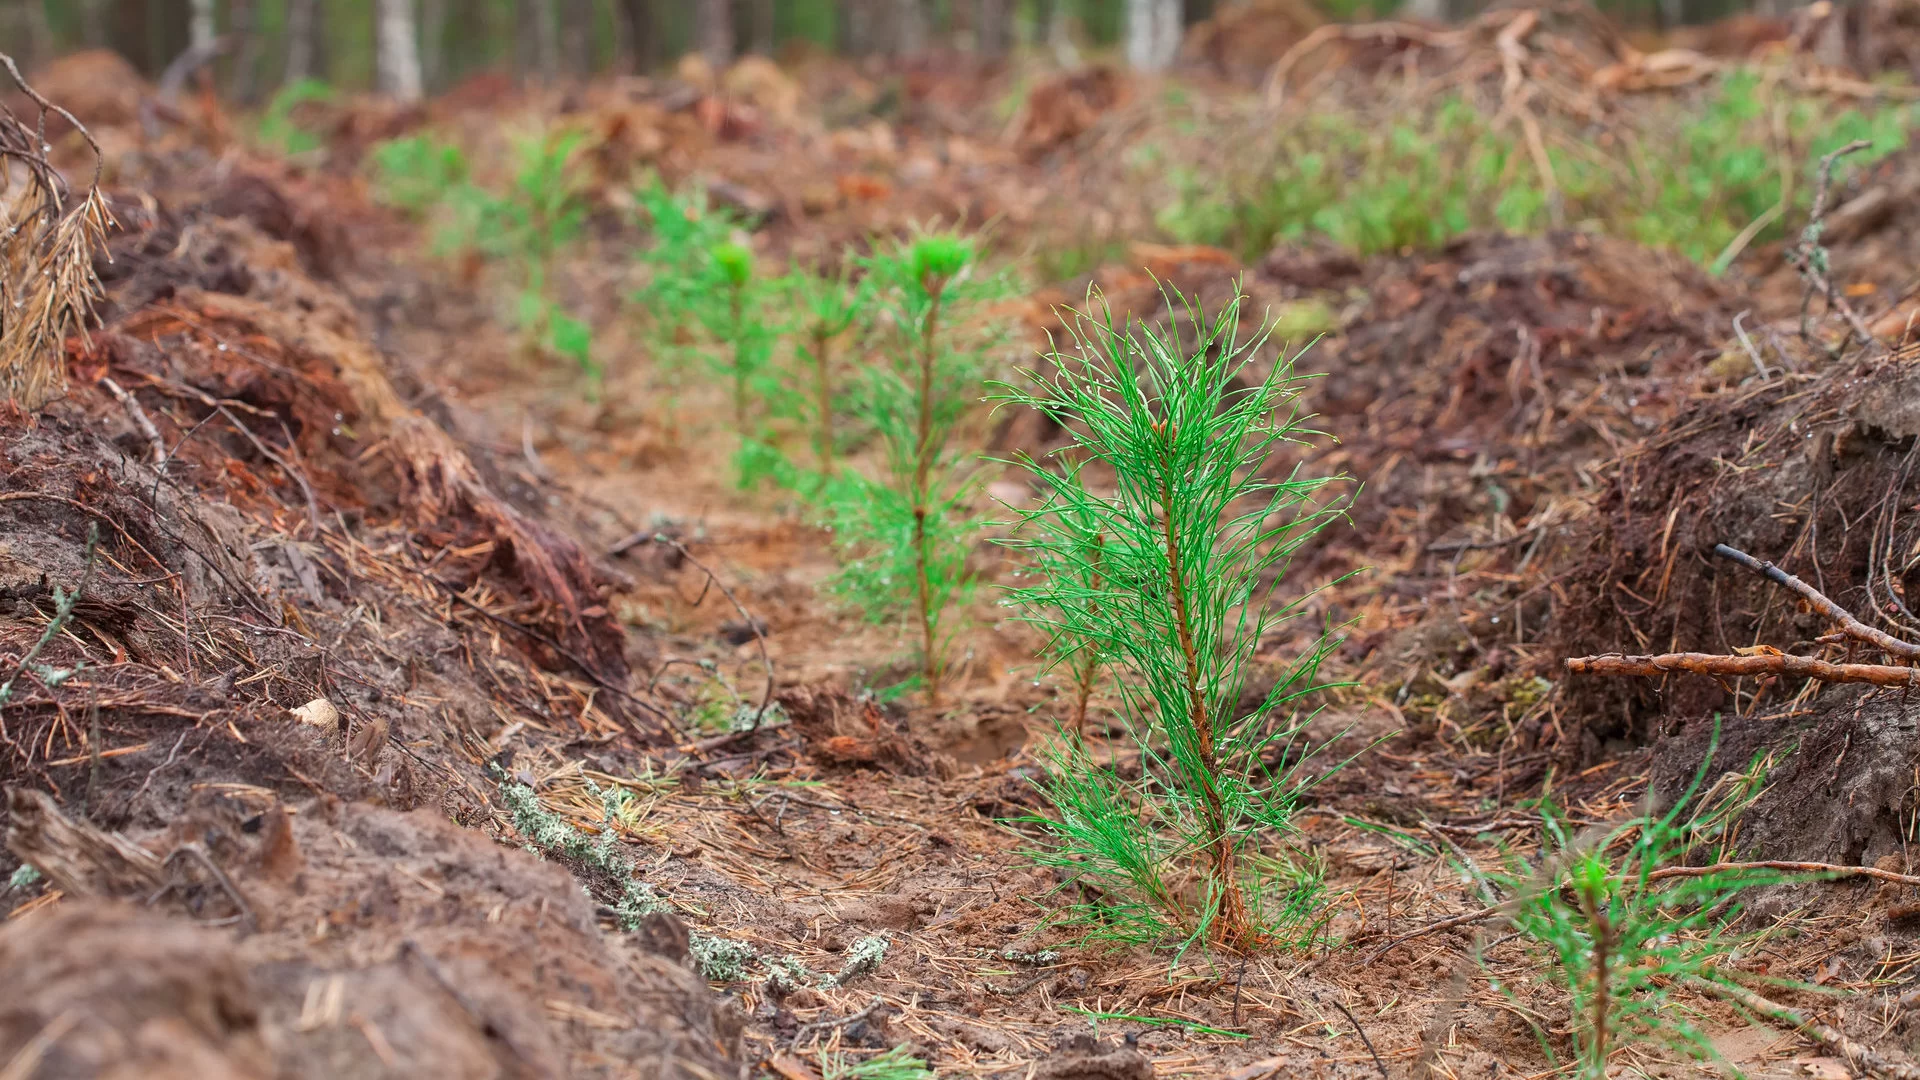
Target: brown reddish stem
(1231,918)
(1090,658)
(1766,664)
(823,393)
(922,497)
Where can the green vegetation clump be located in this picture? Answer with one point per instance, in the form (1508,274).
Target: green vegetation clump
(279,130)
(1690,176)
(896,1064)
(1191,539)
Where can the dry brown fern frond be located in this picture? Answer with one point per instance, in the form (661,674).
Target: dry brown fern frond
(48,240)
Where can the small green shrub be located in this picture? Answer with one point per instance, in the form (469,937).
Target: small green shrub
(828,307)
(906,535)
(1620,939)
(415,173)
(1173,571)
(279,130)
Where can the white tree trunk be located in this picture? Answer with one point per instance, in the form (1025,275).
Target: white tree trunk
(1153,34)
(399,55)
(200,26)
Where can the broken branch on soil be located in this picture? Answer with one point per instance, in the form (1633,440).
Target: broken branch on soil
(828,1025)
(753,624)
(1765,664)
(1362,1032)
(1772,663)
(1861,1057)
(1849,625)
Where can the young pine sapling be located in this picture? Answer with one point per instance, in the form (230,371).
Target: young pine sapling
(1626,923)
(909,533)
(828,306)
(1172,571)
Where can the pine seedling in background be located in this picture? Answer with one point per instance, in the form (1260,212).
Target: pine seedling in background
(736,320)
(1622,939)
(1174,573)
(906,535)
(828,306)
(681,280)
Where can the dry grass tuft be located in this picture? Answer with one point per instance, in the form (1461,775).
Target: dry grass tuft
(48,240)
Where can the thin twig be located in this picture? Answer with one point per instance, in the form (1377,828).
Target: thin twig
(753,624)
(299,477)
(199,854)
(1362,1032)
(141,421)
(1849,625)
(1863,1058)
(828,1025)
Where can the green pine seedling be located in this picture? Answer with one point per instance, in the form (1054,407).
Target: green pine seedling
(1622,936)
(1171,574)
(828,307)
(907,535)
(739,325)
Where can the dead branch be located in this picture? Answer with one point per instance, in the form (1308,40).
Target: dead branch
(753,624)
(1763,664)
(1863,1058)
(76,857)
(141,421)
(1808,257)
(48,243)
(1849,625)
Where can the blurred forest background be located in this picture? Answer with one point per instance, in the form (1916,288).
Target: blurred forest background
(432,44)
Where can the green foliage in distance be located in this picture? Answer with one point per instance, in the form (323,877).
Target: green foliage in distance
(1686,176)
(906,535)
(524,227)
(279,130)
(1622,939)
(1173,570)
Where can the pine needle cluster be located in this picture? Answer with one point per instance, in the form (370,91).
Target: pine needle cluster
(1169,569)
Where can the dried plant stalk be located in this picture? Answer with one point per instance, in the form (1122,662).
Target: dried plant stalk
(48,240)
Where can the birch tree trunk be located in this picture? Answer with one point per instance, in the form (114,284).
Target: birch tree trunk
(302,25)
(714,33)
(200,26)
(1153,34)
(399,51)
(242,16)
